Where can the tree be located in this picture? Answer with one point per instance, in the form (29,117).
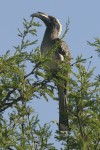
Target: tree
(16,86)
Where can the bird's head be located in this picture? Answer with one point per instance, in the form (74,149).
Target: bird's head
(50,21)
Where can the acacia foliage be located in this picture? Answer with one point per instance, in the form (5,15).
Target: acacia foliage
(17,87)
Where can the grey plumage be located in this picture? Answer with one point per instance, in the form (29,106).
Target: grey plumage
(51,36)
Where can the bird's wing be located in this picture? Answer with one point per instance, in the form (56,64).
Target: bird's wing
(62,49)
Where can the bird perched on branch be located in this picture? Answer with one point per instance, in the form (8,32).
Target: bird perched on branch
(51,36)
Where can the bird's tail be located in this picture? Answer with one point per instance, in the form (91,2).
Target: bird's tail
(63,116)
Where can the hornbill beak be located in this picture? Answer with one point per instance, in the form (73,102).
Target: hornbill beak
(45,18)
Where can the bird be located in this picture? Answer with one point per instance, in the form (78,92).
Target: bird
(51,36)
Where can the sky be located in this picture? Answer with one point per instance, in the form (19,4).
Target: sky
(84,26)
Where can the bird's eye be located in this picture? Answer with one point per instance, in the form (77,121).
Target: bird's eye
(54,19)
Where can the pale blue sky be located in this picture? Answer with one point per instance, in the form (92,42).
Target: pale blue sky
(84,26)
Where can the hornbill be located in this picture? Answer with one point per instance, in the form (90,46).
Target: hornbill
(51,36)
